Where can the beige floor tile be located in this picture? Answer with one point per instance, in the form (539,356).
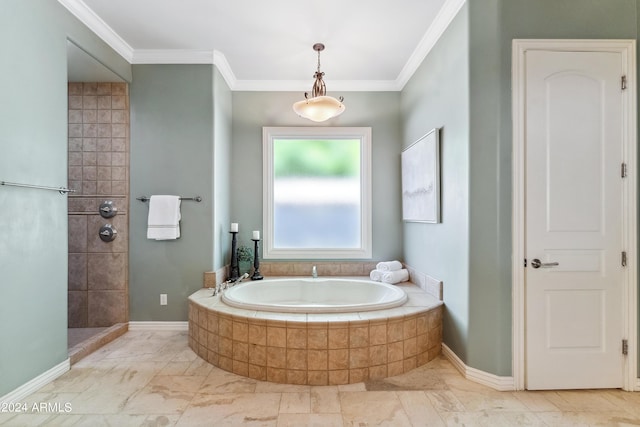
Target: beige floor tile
(185,355)
(199,367)
(310,420)
(444,401)
(580,400)
(325,400)
(147,378)
(120,420)
(491,419)
(219,381)
(77,379)
(111,393)
(267,387)
(352,387)
(26,420)
(372,408)
(626,401)
(232,409)
(164,395)
(419,408)
(535,401)
(295,403)
(562,419)
(175,368)
(474,401)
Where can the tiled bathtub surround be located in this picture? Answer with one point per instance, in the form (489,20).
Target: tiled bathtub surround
(98,171)
(316,349)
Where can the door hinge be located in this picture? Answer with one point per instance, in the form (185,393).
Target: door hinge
(623,170)
(623,82)
(625,347)
(525,262)
(624,258)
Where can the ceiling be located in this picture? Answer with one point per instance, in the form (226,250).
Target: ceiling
(262,45)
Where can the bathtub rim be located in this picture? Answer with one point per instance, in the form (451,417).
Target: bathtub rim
(418,300)
(401,298)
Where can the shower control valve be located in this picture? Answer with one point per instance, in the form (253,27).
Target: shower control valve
(107,233)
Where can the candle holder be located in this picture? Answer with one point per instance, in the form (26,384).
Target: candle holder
(256,262)
(235,270)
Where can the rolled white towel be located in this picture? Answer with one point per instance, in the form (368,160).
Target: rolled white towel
(376,275)
(397,276)
(389,266)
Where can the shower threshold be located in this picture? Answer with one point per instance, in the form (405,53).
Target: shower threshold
(84,341)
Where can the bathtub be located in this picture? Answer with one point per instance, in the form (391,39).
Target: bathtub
(270,336)
(321,295)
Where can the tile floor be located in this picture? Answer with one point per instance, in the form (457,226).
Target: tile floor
(154,379)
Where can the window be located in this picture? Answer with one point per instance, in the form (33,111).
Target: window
(317,192)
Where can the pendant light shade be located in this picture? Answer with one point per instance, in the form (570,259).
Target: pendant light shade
(319,107)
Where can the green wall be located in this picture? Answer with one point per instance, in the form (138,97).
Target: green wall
(489,344)
(33,223)
(471,250)
(438,96)
(566,19)
(222,122)
(379,110)
(172,149)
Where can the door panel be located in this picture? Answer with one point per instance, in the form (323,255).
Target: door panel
(573,149)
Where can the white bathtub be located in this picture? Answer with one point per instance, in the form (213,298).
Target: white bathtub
(322,295)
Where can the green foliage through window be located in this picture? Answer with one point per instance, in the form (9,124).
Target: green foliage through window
(321,158)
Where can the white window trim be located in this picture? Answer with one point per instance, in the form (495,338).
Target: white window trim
(269,134)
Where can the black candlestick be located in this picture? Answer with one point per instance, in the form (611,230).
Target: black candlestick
(235,270)
(256,262)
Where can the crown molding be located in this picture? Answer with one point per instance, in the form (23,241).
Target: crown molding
(89,18)
(441,22)
(177,56)
(306,86)
(172,56)
(220,61)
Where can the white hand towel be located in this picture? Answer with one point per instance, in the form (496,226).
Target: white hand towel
(397,276)
(376,275)
(389,266)
(164,218)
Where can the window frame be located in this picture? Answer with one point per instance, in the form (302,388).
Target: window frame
(269,134)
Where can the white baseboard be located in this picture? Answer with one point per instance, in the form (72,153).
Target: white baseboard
(637,385)
(472,374)
(41,380)
(159,326)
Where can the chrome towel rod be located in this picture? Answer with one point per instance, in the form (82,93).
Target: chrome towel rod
(196,199)
(60,190)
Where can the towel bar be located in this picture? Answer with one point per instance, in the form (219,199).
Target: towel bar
(195,199)
(61,190)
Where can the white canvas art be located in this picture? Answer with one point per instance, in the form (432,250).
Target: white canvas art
(421,179)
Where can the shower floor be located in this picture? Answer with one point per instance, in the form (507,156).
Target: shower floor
(76,335)
(82,342)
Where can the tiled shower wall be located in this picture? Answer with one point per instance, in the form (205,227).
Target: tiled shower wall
(98,171)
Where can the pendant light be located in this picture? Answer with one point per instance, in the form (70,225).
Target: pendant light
(319,107)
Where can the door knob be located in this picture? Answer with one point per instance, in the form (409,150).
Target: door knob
(536,263)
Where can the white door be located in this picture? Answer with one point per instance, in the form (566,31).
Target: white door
(573,215)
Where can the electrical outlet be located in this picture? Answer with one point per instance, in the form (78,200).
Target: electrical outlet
(163,299)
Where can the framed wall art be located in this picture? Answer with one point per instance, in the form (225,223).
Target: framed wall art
(421,179)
